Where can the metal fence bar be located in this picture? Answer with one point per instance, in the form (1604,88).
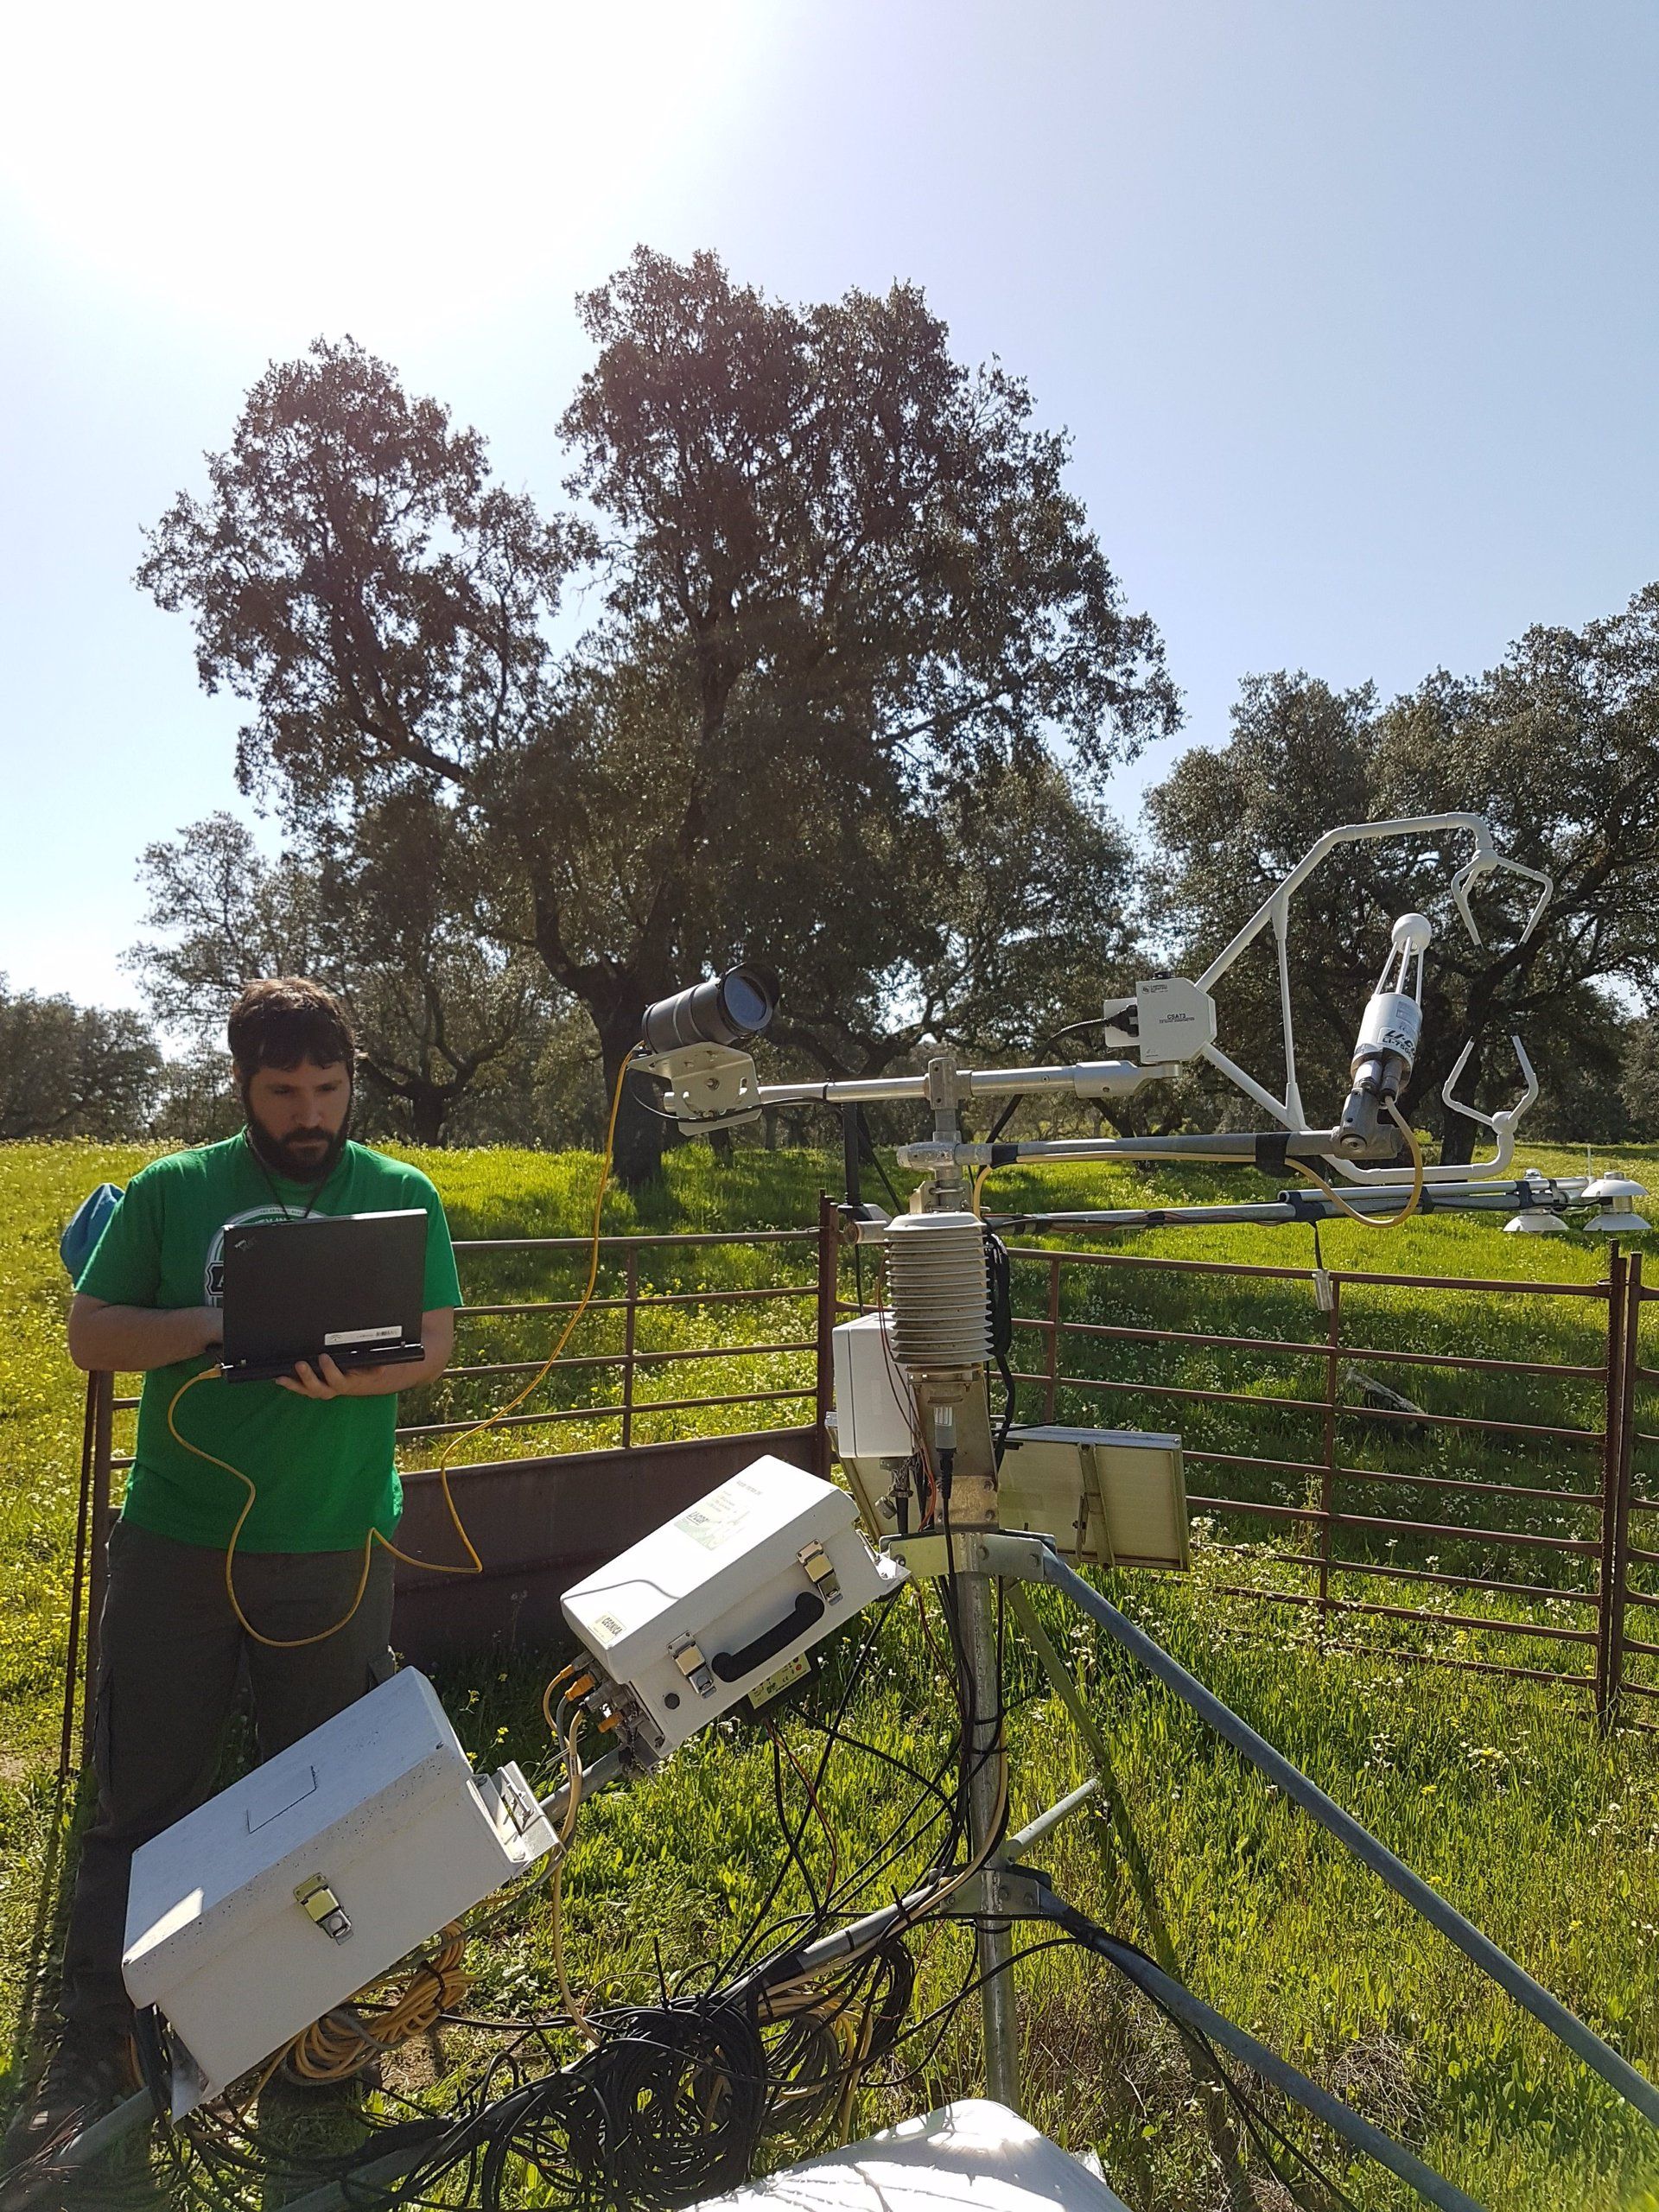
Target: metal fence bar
(1556,1676)
(1427,1619)
(633,1242)
(1050,1379)
(640,1358)
(98,1555)
(629,1320)
(1512,1286)
(616,1305)
(1339,1566)
(78,1579)
(1328,1477)
(599,1413)
(1149,1260)
(1264,1510)
(1285,1345)
(1292,1347)
(1618,1502)
(824,1362)
(1469,1483)
(1480,1365)
(1418,1417)
(1582,1544)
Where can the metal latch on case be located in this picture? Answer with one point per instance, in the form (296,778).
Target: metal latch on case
(325,1908)
(689,1658)
(818,1564)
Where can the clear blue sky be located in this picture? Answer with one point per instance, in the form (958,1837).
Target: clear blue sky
(1352,310)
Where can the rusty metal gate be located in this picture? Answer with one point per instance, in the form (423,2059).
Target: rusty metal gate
(1290,1428)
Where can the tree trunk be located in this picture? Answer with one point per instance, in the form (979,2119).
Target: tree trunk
(429,1108)
(638,1158)
(1457,1141)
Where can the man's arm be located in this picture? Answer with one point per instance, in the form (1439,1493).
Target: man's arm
(132,1339)
(328,1380)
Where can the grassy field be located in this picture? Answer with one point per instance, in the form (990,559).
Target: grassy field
(1497,1791)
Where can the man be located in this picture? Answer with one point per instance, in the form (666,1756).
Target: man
(317,1445)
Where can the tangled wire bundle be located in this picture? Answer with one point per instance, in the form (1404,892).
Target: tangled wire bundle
(668,2107)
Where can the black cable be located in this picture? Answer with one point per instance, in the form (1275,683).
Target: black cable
(644,1103)
(999,1285)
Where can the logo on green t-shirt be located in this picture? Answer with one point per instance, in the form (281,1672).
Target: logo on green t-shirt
(212,1277)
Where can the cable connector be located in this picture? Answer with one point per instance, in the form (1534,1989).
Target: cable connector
(821,1569)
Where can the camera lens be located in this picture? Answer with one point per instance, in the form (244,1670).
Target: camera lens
(722,1011)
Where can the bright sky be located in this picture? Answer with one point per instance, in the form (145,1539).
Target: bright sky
(1352,310)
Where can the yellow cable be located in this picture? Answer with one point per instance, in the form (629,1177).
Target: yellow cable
(474,1564)
(564,1675)
(336,2047)
(979,1187)
(1371,1220)
(555,1885)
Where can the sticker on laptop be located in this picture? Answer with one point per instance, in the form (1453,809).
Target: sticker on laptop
(363,1335)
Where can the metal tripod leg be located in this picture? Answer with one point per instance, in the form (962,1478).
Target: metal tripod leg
(1065,1687)
(994,1939)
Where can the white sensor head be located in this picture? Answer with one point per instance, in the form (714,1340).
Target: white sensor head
(1616,1195)
(1413,933)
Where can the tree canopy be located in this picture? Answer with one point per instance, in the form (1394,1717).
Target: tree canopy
(69,1070)
(392,916)
(839,584)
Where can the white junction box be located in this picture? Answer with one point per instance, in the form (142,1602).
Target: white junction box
(1109,1497)
(707,1608)
(875,1408)
(302,1883)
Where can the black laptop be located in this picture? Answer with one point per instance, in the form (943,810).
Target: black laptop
(348,1284)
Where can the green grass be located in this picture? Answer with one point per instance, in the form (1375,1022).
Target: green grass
(1541,1830)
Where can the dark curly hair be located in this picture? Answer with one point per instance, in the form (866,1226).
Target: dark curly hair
(282,1020)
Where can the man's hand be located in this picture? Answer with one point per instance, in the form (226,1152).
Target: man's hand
(329,1380)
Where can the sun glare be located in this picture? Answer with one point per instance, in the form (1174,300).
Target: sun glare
(340,160)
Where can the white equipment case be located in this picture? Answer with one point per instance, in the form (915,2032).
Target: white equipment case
(715,1602)
(302,1883)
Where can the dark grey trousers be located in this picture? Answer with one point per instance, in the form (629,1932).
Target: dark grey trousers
(170,1659)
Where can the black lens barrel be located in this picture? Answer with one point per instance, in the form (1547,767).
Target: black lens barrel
(723,1011)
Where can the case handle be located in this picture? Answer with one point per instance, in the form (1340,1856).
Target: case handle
(733,1666)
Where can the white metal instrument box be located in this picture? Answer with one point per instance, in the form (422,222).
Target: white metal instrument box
(702,1611)
(302,1883)
(876,1406)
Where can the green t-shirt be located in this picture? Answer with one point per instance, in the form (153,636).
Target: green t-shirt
(323,1469)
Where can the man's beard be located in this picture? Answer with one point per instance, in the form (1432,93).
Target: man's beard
(303,1167)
